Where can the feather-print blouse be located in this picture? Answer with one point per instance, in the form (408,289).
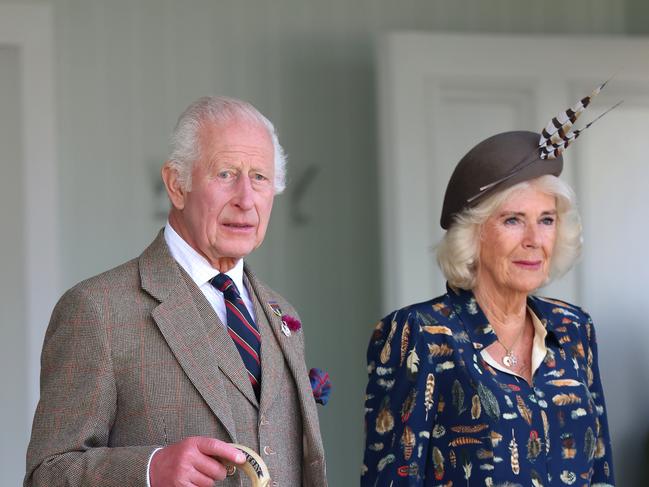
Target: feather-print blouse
(438,415)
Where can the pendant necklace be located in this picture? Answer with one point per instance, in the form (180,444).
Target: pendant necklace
(509,360)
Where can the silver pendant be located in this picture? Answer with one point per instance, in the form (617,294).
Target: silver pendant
(285,329)
(509,360)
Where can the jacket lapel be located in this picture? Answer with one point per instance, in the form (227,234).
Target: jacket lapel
(225,351)
(182,327)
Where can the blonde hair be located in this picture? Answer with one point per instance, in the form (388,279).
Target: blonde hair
(459,250)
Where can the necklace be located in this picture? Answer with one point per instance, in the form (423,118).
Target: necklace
(509,360)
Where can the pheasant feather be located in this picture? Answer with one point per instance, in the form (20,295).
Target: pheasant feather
(513,449)
(489,402)
(526,413)
(387,348)
(429,393)
(438,463)
(560,125)
(404,342)
(408,405)
(555,137)
(476,408)
(458,396)
(558,134)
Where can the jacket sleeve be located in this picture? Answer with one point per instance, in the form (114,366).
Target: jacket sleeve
(603,456)
(72,423)
(400,404)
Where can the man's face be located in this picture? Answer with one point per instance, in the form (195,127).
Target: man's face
(225,214)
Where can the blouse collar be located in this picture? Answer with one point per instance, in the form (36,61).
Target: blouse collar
(479,330)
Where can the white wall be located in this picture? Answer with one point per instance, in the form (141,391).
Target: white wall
(126,68)
(13,338)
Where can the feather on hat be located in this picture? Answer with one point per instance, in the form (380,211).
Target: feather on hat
(508,158)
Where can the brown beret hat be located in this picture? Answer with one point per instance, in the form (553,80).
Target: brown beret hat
(491,160)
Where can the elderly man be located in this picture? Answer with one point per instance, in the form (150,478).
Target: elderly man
(151,369)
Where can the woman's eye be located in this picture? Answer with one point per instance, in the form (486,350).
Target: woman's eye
(548,220)
(512,220)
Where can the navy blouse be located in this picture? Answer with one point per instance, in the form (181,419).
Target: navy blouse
(436,414)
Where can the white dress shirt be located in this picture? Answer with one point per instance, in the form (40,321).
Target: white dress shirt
(201,272)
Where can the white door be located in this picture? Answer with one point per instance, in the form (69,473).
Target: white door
(440,94)
(29,277)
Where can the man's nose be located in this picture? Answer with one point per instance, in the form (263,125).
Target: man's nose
(243,197)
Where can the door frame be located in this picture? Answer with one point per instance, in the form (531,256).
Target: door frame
(413,70)
(30,29)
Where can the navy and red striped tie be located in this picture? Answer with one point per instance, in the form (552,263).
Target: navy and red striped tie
(241,328)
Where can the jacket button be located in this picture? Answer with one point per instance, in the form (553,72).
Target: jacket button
(230,470)
(268,450)
(263,421)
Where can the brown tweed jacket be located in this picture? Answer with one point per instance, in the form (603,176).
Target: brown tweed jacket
(135,358)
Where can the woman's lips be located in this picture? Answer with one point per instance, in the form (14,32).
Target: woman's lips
(529,264)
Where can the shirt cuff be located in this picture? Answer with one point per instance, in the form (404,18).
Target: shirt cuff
(148,467)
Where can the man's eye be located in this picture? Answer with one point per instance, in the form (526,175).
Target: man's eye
(260,177)
(224,174)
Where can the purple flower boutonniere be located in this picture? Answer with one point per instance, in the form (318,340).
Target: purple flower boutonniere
(290,324)
(321,385)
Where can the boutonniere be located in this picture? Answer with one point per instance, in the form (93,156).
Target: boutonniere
(320,385)
(289,324)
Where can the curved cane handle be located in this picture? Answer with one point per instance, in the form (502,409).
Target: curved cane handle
(254,467)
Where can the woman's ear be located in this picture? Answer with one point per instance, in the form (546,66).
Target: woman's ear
(173,185)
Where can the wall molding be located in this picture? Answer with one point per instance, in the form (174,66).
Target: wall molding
(30,28)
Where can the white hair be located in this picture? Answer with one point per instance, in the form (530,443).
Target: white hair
(459,250)
(185,148)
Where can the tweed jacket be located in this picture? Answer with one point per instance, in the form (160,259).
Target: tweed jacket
(135,359)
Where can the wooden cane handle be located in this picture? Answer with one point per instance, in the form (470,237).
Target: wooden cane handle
(254,467)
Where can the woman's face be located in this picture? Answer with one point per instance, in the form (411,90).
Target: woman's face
(517,241)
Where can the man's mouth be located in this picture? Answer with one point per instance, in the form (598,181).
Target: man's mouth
(235,225)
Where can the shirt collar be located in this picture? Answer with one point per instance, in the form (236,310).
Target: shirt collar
(197,266)
(475,322)
(554,316)
(478,328)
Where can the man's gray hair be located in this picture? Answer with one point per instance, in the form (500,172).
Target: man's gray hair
(185,147)
(459,251)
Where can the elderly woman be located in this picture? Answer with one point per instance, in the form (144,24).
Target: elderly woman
(488,384)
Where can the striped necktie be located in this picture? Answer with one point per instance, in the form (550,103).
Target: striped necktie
(241,328)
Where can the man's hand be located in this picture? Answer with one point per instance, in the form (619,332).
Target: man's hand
(192,462)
